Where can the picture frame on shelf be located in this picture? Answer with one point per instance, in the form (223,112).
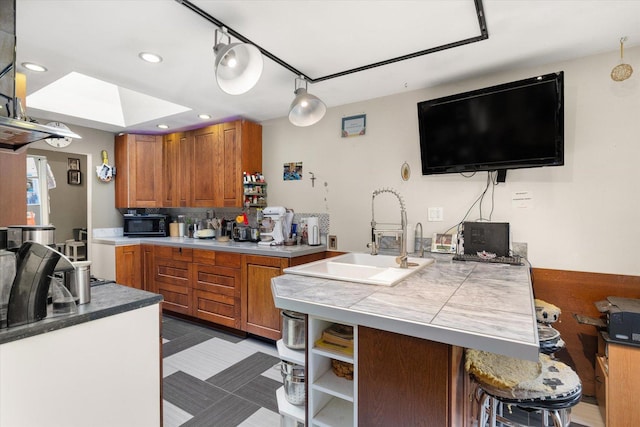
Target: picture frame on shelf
(74,177)
(73,164)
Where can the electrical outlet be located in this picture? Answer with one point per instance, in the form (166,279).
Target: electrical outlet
(333,242)
(435,214)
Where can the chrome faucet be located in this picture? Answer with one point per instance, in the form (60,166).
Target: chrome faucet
(377,231)
(420,241)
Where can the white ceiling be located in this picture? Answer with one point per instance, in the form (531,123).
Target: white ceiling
(102,38)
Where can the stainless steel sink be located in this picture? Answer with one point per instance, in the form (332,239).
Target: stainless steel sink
(361,268)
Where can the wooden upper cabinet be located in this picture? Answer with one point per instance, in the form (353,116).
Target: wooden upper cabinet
(138,161)
(176,169)
(204,157)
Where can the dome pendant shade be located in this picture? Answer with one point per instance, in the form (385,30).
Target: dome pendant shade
(306,109)
(238,67)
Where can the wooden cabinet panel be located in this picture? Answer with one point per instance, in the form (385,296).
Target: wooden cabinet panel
(601,378)
(402,380)
(204,158)
(176,175)
(148,282)
(13,189)
(217,294)
(129,266)
(260,315)
(172,279)
(138,159)
(174,253)
(622,386)
(229,175)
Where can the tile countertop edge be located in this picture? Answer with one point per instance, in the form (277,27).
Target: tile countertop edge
(106,300)
(248,248)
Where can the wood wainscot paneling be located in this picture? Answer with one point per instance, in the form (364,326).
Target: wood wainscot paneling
(575,293)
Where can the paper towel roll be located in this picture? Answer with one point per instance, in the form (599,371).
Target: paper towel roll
(411,238)
(313,230)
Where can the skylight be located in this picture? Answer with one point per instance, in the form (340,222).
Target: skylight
(86,97)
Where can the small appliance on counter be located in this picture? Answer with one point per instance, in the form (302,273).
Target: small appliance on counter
(35,266)
(623,318)
(274,233)
(145,225)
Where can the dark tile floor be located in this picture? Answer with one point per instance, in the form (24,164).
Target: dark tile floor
(212,378)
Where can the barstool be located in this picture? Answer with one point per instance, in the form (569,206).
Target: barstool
(71,250)
(548,386)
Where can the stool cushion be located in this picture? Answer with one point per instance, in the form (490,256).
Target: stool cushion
(546,312)
(556,382)
(500,371)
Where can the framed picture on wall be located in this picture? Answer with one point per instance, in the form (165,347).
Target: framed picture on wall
(74,177)
(74,164)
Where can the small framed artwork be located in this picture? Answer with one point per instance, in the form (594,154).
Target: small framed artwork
(74,177)
(292,171)
(74,164)
(354,125)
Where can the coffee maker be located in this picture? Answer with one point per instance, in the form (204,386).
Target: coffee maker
(25,278)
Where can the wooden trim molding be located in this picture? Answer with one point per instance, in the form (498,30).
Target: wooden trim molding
(575,293)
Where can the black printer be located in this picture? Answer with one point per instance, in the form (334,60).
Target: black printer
(624,319)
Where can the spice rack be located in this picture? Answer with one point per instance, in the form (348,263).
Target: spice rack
(332,400)
(255,190)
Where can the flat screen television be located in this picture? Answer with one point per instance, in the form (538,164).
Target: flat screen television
(508,126)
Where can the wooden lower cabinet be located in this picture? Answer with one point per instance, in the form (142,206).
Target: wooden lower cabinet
(259,313)
(230,289)
(216,287)
(128,264)
(617,386)
(408,381)
(172,272)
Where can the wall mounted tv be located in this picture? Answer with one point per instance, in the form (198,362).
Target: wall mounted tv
(509,126)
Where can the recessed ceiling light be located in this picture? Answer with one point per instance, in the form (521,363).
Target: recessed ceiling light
(34,67)
(204,116)
(150,57)
(163,126)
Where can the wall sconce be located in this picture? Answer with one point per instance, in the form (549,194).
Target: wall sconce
(238,65)
(306,109)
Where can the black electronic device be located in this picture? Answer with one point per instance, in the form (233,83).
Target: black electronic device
(487,237)
(508,126)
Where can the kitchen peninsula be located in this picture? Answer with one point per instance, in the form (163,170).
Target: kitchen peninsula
(409,338)
(99,367)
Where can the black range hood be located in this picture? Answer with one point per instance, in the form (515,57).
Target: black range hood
(16,132)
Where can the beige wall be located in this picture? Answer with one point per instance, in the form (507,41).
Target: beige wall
(583,216)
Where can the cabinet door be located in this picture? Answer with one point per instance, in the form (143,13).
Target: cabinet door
(623,373)
(204,158)
(129,266)
(230,174)
(216,294)
(138,159)
(259,313)
(148,282)
(176,176)
(172,279)
(415,375)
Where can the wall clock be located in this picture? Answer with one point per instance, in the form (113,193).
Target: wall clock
(59,142)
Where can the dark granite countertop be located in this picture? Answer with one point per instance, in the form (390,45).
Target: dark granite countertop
(106,300)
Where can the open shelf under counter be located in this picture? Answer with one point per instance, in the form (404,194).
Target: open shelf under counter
(287,409)
(336,413)
(289,354)
(334,385)
(344,357)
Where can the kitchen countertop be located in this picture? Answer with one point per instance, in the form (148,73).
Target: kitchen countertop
(468,304)
(106,300)
(250,248)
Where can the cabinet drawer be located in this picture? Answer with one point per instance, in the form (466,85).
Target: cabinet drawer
(204,257)
(221,309)
(174,253)
(172,272)
(176,298)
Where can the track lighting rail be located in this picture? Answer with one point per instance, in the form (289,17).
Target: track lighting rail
(484,34)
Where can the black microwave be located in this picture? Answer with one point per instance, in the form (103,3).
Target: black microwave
(145,225)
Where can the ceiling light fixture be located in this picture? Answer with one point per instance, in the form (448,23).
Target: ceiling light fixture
(34,67)
(238,65)
(163,126)
(150,57)
(621,71)
(204,116)
(306,109)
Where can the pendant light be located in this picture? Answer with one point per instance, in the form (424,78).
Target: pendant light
(621,71)
(306,109)
(238,65)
